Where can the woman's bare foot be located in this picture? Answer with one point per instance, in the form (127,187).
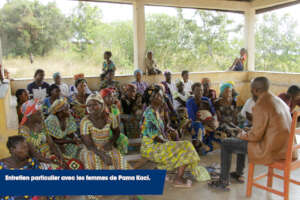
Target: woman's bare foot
(182,183)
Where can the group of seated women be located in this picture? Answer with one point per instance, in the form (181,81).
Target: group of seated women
(72,127)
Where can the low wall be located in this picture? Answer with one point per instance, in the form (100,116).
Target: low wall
(279,81)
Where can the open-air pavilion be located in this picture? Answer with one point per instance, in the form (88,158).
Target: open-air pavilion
(279,83)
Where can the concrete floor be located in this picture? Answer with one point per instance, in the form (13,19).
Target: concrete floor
(202,191)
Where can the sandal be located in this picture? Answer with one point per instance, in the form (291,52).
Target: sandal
(237,178)
(218,184)
(188,184)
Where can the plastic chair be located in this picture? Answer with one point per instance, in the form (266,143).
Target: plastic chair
(287,166)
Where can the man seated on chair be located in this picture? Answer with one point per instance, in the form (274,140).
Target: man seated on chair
(265,142)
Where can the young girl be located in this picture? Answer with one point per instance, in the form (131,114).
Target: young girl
(107,64)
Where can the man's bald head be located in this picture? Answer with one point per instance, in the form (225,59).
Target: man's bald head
(258,86)
(261,83)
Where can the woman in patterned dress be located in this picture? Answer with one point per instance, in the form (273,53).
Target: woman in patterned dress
(168,155)
(77,101)
(99,151)
(20,159)
(114,114)
(227,111)
(61,126)
(33,129)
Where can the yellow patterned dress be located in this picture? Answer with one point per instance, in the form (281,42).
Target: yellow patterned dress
(100,138)
(172,154)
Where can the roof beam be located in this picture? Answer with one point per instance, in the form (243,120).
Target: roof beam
(204,4)
(262,4)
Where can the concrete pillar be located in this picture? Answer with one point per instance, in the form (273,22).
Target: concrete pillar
(250,38)
(139,35)
(1,66)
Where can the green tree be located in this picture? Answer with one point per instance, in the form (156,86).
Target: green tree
(31,27)
(86,20)
(277,44)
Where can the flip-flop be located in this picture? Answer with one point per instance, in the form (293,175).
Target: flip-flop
(188,184)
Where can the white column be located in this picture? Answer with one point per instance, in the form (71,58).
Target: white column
(250,38)
(139,35)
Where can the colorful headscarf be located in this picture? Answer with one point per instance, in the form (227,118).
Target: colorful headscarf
(224,86)
(78,76)
(95,97)
(138,71)
(231,82)
(29,108)
(58,105)
(106,91)
(55,75)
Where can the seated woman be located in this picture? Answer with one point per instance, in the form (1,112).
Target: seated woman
(180,96)
(165,110)
(22,97)
(20,158)
(73,88)
(168,155)
(226,111)
(64,88)
(33,129)
(77,101)
(141,86)
(109,82)
(170,87)
(53,94)
(132,111)
(207,91)
(193,105)
(61,126)
(99,138)
(114,114)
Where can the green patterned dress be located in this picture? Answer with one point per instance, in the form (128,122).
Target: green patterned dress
(172,154)
(54,130)
(122,141)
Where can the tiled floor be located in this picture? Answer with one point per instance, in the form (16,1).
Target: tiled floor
(202,191)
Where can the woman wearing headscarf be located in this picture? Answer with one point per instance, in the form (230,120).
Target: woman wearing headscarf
(140,85)
(64,88)
(99,139)
(73,88)
(61,126)
(169,155)
(114,115)
(33,130)
(227,111)
(77,101)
